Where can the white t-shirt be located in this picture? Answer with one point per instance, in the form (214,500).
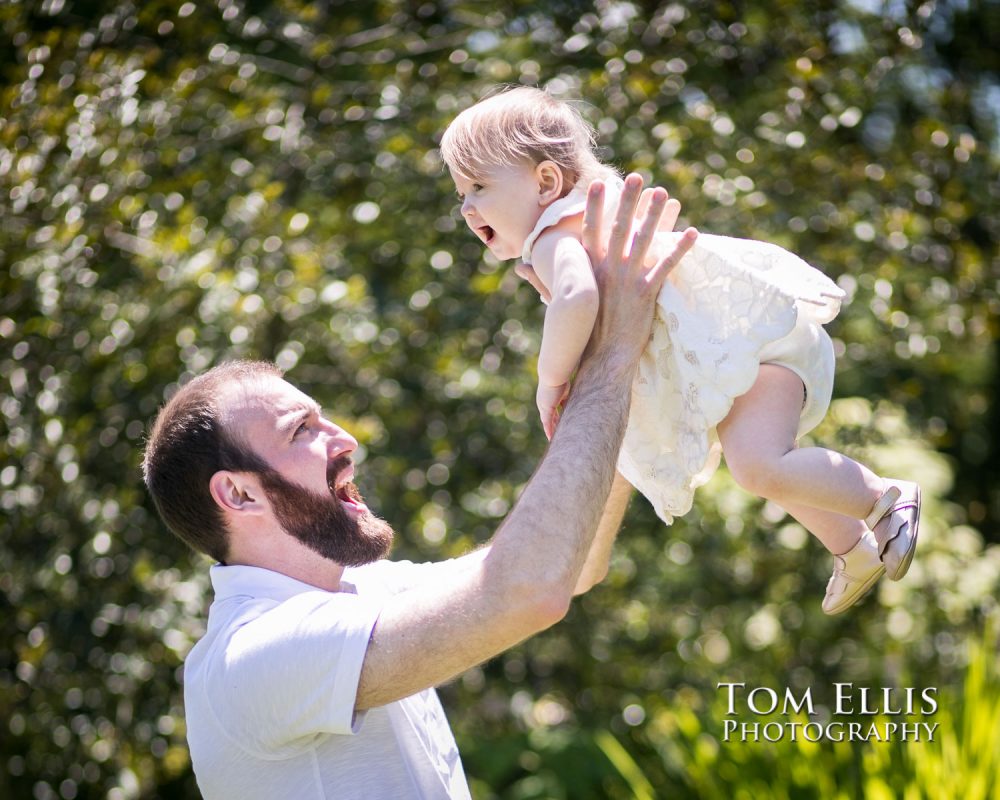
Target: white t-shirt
(269,695)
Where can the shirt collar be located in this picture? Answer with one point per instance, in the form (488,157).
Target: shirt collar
(238,580)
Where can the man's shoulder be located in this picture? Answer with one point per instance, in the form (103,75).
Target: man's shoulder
(250,626)
(386,575)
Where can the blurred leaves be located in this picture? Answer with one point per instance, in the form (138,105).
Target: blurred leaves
(182,183)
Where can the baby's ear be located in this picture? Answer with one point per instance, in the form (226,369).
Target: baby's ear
(550,182)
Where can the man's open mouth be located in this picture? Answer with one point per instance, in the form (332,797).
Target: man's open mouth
(343,488)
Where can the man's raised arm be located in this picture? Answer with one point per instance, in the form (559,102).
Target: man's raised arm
(428,635)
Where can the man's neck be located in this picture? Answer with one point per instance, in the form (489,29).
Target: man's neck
(294,560)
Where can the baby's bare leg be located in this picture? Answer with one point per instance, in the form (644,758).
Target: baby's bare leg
(827,492)
(836,532)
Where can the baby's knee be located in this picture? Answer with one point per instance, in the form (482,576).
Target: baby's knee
(760,474)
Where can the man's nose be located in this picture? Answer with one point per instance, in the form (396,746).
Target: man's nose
(340,442)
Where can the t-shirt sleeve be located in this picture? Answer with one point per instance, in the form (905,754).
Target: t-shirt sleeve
(393,577)
(292,673)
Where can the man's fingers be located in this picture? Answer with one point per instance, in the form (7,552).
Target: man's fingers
(670,214)
(644,199)
(648,227)
(658,274)
(593,221)
(622,225)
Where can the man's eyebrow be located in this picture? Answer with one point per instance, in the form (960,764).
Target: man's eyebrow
(291,419)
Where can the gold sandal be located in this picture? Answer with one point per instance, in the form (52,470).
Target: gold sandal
(898,540)
(854,573)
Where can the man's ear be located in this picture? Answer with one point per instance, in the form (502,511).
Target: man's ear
(237,492)
(550,182)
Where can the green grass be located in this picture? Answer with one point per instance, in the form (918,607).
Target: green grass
(679,754)
(961,762)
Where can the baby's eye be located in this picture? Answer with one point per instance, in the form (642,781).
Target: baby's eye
(477,187)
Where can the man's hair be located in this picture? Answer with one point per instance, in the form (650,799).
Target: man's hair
(522,124)
(188,444)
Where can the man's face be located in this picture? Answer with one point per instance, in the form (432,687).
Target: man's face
(321,523)
(308,483)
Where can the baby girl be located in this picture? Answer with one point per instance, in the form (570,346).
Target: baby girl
(738,361)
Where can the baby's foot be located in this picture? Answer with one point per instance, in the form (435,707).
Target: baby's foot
(854,573)
(895,521)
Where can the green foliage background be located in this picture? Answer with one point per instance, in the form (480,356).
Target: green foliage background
(182,183)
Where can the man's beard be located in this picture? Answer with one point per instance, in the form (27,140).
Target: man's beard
(320,522)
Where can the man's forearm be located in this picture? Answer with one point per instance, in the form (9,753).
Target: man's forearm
(524,582)
(547,538)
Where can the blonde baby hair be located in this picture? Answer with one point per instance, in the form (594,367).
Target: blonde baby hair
(522,124)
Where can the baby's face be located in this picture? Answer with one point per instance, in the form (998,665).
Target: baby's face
(501,206)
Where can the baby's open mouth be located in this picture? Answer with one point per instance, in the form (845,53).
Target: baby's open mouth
(486,233)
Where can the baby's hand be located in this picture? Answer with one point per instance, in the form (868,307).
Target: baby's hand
(550,400)
(527,273)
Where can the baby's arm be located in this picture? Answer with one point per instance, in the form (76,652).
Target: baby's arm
(561,263)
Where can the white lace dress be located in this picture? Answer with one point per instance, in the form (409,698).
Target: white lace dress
(730,305)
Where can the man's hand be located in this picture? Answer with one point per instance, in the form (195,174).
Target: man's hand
(671,211)
(549,400)
(628,288)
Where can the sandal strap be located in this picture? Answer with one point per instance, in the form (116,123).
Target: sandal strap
(882,507)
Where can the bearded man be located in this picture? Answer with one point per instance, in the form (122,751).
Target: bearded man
(316,675)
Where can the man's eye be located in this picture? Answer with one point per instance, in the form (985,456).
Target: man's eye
(303,428)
